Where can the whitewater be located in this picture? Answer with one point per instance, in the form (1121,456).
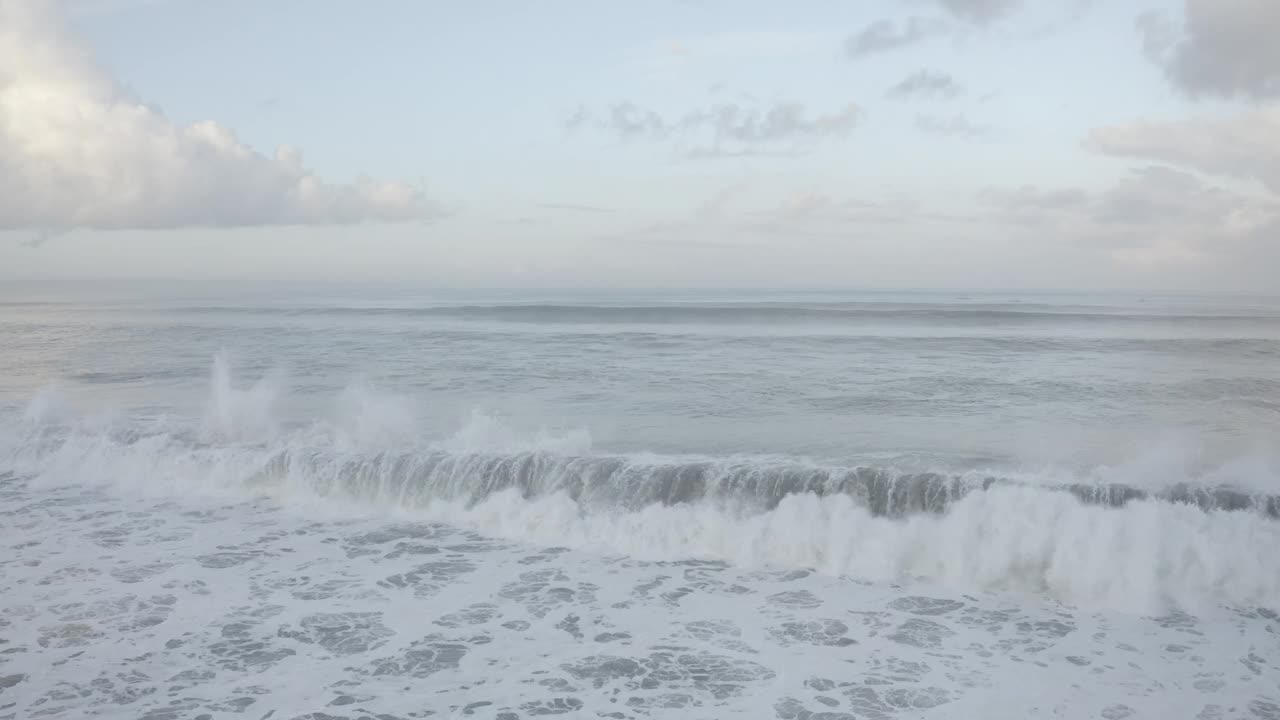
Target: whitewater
(695,505)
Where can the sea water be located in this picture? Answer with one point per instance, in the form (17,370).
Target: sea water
(394,504)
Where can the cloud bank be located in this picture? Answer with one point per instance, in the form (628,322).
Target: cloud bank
(78,151)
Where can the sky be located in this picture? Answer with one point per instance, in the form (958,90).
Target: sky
(1013,144)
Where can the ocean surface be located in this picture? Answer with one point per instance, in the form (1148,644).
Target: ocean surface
(807,506)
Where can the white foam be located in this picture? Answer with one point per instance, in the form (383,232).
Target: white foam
(119,606)
(1144,556)
(1141,557)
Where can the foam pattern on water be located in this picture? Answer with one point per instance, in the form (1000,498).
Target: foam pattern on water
(184,608)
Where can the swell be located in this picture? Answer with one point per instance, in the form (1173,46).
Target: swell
(752,313)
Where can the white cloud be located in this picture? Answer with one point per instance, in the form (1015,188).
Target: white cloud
(77,150)
(1226,48)
(1246,146)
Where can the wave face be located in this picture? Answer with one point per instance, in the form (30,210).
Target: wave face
(604,483)
(1112,544)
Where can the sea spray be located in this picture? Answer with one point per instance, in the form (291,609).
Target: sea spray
(1183,545)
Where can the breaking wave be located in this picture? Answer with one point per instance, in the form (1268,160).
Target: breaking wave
(1184,543)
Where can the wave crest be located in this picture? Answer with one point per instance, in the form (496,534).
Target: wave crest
(1131,545)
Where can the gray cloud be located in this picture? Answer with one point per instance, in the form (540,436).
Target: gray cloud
(580,118)
(1153,206)
(1158,195)
(1246,146)
(782,121)
(979,11)
(1225,48)
(885,35)
(630,121)
(726,128)
(929,84)
(954,126)
(76,150)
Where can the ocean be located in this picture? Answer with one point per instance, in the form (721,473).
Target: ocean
(375,503)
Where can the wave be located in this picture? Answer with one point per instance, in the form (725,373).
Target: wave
(1185,543)
(776,313)
(1104,545)
(618,483)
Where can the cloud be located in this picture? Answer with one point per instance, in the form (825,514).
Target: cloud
(77,150)
(782,121)
(884,35)
(1161,196)
(979,11)
(954,126)
(1225,48)
(630,121)
(1154,227)
(1153,209)
(927,83)
(727,128)
(1246,146)
(578,119)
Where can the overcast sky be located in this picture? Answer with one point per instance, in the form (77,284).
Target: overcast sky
(916,143)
